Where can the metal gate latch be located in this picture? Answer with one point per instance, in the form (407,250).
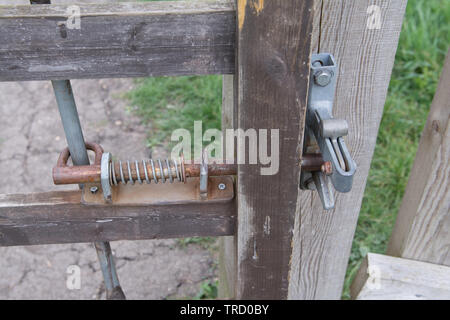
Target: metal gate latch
(326,133)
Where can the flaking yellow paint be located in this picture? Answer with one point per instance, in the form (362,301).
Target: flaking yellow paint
(257,5)
(241,12)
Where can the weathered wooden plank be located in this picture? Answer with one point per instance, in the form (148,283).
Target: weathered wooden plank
(274,46)
(59,217)
(390,278)
(422,229)
(117,40)
(228,245)
(365,56)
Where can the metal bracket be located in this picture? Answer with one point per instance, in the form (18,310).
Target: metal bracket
(327,132)
(220,189)
(105,176)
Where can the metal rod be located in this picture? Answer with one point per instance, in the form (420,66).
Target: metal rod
(144,170)
(112,285)
(92,173)
(75,140)
(71,122)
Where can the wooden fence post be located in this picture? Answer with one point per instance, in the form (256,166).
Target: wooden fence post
(422,229)
(364,46)
(270,92)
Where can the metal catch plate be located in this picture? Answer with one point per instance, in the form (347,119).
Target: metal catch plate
(163,193)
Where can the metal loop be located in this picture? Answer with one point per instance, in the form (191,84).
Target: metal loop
(137,172)
(146,172)
(161,171)
(169,171)
(65,154)
(121,173)
(130,178)
(155,178)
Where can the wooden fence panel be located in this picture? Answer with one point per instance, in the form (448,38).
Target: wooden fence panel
(365,56)
(228,245)
(422,229)
(117,40)
(59,217)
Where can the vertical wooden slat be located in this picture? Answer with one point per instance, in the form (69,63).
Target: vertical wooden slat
(228,245)
(422,229)
(315,41)
(274,43)
(365,56)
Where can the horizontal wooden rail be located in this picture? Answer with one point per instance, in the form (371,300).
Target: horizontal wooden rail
(59,217)
(117,40)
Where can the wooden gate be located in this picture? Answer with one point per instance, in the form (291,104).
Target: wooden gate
(279,242)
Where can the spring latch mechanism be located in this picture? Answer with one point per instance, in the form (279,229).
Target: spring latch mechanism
(115,172)
(111,173)
(168,170)
(165,170)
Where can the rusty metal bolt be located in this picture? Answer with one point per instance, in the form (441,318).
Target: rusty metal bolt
(327,168)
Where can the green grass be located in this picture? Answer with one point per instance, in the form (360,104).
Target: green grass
(204,242)
(208,290)
(422,47)
(169,103)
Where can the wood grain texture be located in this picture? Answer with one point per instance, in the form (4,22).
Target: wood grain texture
(228,245)
(322,240)
(274,46)
(59,217)
(422,229)
(117,40)
(383,277)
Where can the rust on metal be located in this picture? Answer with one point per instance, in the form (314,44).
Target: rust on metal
(64,174)
(76,174)
(327,168)
(65,154)
(164,194)
(314,162)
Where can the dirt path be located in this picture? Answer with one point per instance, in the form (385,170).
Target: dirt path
(31,137)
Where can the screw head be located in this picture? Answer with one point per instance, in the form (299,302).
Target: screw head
(222,186)
(93,189)
(323,78)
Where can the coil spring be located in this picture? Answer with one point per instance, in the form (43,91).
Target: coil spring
(166,170)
